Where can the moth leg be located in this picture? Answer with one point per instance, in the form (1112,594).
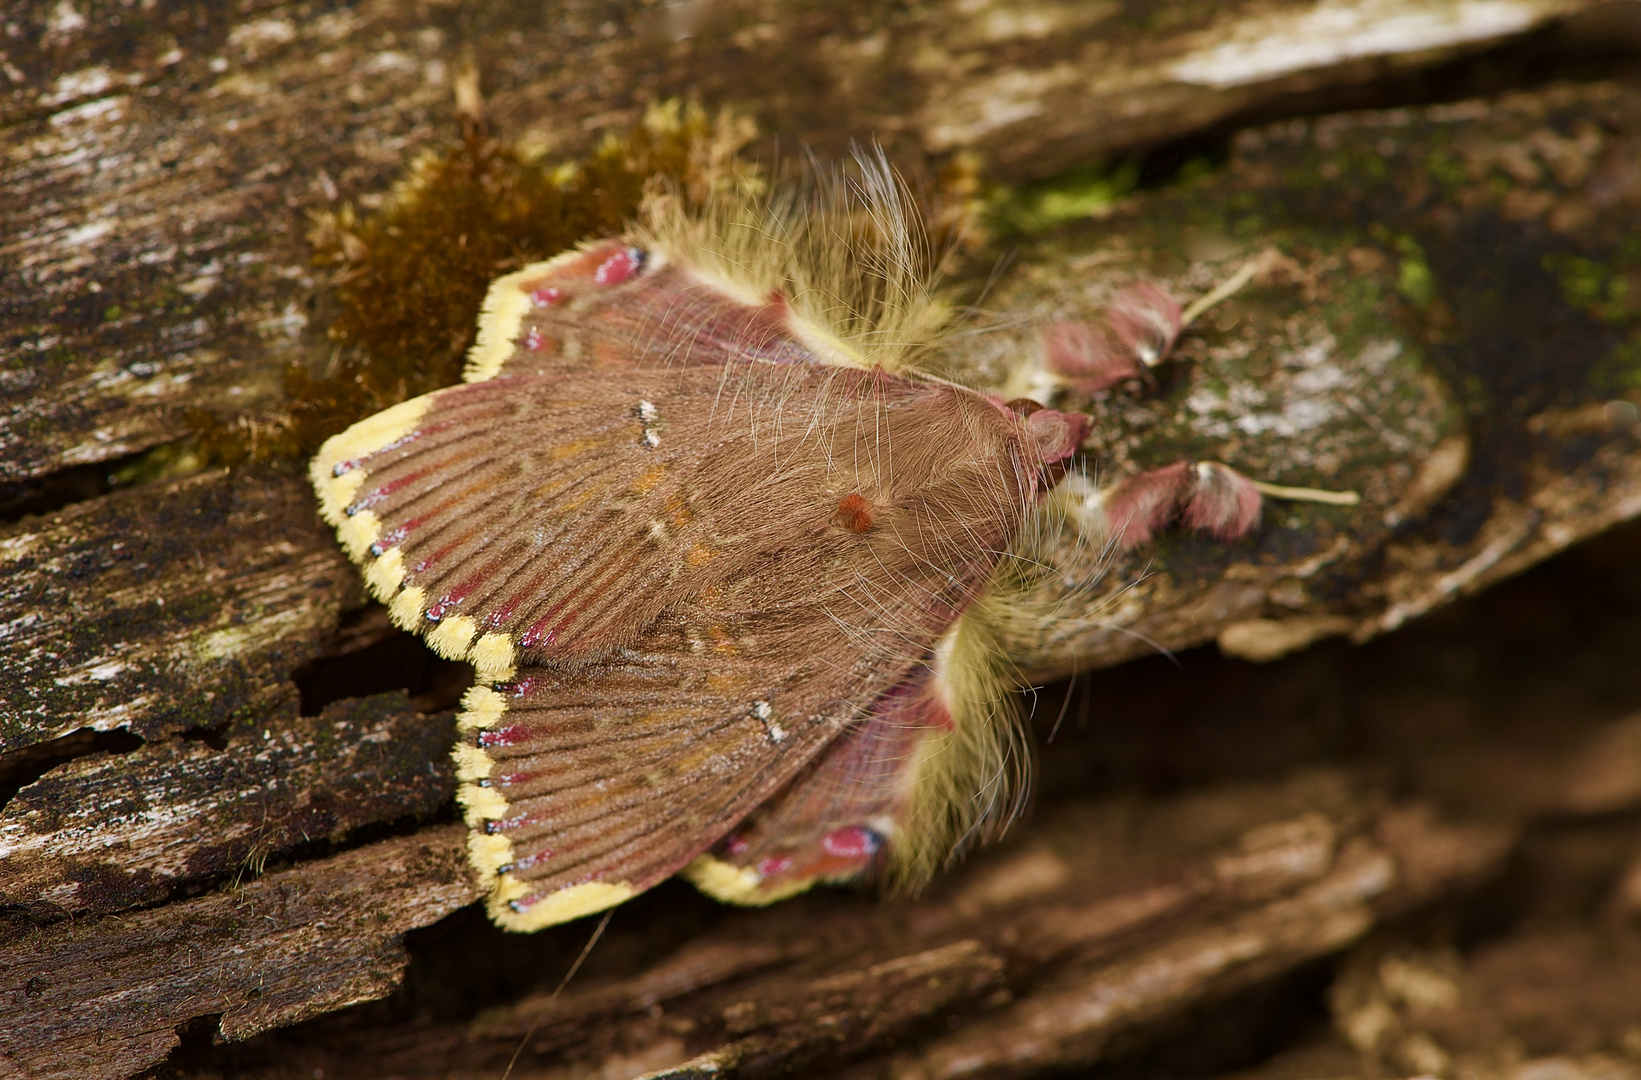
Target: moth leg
(1205,496)
(1134,333)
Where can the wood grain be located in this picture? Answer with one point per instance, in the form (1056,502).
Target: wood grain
(113,831)
(156,177)
(156,172)
(103,998)
(180,606)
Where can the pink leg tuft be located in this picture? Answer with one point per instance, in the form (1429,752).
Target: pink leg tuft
(1225,502)
(1058,434)
(1146,321)
(1082,355)
(1209,497)
(1138,508)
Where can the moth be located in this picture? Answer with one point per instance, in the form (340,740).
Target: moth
(729,567)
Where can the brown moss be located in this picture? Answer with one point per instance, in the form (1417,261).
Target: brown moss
(408,278)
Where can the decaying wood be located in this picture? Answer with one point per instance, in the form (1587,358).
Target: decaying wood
(1044,955)
(1417,334)
(157,169)
(104,998)
(165,609)
(113,831)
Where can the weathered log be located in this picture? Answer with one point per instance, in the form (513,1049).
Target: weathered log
(104,998)
(177,607)
(114,831)
(1042,955)
(157,169)
(1360,364)
(153,193)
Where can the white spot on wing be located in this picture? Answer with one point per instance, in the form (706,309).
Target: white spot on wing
(761,710)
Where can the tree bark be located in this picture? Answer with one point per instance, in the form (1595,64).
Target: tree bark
(1447,323)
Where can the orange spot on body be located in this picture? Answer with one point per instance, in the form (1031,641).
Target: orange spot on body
(699,556)
(854,513)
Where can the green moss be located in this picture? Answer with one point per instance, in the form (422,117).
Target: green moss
(1368,166)
(1447,168)
(159,463)
(1037,208)
(1413,276)
(1620,372)
(1593,287)
(408,278)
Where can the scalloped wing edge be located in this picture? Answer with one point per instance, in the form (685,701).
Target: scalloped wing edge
(490,853)
(337,476)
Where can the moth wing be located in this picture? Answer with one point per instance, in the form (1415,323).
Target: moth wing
(612,305)
(891,799)
(533,519)
(475,513)
(585,785)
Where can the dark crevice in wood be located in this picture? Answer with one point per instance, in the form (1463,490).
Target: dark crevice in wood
(44,494)
(18,919)
(323,847)
(369,655)
(215,736)
(193,1052)
(81,483)
(22,767)
(1225,1033)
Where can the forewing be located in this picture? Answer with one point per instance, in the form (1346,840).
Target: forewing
(612,305)
(529,519)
